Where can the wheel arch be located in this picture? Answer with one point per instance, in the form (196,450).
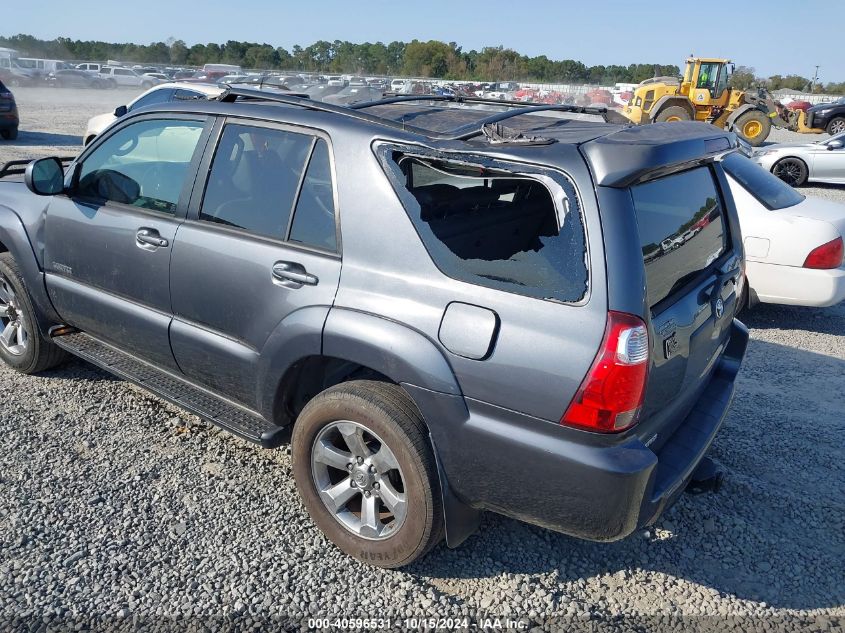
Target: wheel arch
(15,241)
(359,345)
(670,100)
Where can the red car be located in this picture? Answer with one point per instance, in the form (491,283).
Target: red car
(799,105)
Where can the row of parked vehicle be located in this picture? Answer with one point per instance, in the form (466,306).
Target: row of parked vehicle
(424,384)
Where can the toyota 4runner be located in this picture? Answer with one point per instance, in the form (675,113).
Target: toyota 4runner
(444,305)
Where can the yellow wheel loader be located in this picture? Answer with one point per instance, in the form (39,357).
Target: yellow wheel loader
(704,93)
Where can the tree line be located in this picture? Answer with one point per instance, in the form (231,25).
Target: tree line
(415,59)
(745,77)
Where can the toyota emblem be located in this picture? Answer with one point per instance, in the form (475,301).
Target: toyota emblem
(719,308)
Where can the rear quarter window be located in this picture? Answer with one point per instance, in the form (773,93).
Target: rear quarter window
(682,231)
(497,225)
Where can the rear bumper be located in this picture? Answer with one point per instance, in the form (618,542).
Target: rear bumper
(572,481)
(791,285)
(8,120)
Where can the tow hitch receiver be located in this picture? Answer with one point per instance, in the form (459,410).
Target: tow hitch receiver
(706,478)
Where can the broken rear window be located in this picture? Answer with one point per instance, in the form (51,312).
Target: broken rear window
(496,224)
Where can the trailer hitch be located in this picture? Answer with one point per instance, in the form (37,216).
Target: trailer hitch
(708,477)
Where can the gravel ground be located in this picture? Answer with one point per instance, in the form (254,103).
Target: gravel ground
(119,511)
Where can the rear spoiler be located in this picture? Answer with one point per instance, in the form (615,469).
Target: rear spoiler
(18,167)
(639,153)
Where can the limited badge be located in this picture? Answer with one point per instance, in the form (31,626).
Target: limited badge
(670,346)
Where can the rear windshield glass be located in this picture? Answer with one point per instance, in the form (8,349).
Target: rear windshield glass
(492,227)
(770,190)
(682,231)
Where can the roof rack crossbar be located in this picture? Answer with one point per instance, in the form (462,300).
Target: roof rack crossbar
(561,107)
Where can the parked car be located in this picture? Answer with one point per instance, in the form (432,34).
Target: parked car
(195,249)
(828,116)
(163,93)
(793,244)
(799,163)
(91,67)
(319,92)
(354,94)
(74,79)
(113,76)
(9,120)
(158,76)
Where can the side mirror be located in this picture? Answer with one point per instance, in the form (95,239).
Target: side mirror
(120,111)
(837,144)
(45,177)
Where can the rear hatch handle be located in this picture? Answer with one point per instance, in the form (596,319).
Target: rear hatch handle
(722,278)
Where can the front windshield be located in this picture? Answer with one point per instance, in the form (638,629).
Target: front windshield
(770,190)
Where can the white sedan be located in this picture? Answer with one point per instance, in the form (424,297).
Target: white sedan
(162,93)
(793,243)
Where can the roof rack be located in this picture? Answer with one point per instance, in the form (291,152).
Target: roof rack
(232,93)
(463,133)
(18,167)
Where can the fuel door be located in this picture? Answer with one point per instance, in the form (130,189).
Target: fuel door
(468,330)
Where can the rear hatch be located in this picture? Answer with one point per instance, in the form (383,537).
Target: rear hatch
(692,273)
(664,184)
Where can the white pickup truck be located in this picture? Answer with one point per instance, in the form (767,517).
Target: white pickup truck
(115,76)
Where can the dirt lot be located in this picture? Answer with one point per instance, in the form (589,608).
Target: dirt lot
(118,509)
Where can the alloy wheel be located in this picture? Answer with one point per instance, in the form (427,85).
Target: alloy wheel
(14,337)
(837,127)
(359,480)
(789,171)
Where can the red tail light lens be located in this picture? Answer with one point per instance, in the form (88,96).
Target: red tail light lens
(826,256)
(610,398)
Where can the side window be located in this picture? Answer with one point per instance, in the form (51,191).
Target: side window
(495,227)
(156,96)
(144,165)
(313,221)
(254,178)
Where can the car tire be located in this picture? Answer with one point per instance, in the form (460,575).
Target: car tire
(754,126)
(387,456)
(673,113)
(836,125)
(793,171)
(10,134)
(22,347)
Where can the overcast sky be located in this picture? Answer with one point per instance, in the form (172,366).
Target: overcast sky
(772,36)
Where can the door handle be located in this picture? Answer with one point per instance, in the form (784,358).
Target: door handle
(293,275)
(151,237)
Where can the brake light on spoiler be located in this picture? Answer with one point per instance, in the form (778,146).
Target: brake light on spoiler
(611,396)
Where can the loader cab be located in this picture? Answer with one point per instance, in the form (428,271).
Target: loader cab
(706,81)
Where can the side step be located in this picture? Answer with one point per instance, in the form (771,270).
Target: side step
(206,405)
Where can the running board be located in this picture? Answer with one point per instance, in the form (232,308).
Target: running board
(236,420)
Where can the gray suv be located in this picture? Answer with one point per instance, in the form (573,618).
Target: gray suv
(445,305)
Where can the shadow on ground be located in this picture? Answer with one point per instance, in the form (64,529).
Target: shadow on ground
(36,139)
(774,532)
(777,317)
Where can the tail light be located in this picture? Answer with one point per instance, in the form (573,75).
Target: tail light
(826,256)
(611,396)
